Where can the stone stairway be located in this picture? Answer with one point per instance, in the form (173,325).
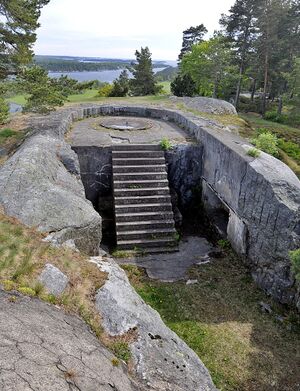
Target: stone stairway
(143,209)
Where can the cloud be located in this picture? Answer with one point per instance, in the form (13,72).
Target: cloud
(117,28)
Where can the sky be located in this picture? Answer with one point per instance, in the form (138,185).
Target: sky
(116,28)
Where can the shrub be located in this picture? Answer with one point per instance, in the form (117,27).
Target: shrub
(253,152)
(165,144)
(25,290)
(183,86)
(224,244)
(121,350)
(105,90)
(290,148)
(6,133)
(267,142)
(4,111)
(295,259)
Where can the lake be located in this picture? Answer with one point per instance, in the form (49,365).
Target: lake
(104,76)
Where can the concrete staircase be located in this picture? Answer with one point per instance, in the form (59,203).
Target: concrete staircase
(143,209)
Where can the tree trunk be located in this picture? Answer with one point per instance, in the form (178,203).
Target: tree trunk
(238,88)
(253,90)
(280,104)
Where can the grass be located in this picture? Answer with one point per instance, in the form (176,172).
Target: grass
(221,320)
(288,138)
(19,99)
(23,255)
(253,152)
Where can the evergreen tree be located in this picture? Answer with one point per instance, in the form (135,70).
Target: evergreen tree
(143,82)
(18,22)
(121,85)
(240,28)
(191,36)
(183,85)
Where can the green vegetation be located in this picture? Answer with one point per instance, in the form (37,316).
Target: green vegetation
(183,85)
(23,255)
(267,142)
(6,133)
(224,244)
(121,85)
(121,350)
(295,259)
(19,20)
(165,144)
(221,320)
(105,90)
(143,82)
(253,152)
(4,111)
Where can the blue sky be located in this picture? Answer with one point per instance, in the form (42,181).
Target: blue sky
(116,28)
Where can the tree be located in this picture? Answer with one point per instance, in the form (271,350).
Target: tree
(143,82)
(121,85)
(208,64)
(44,94)
(240,28)
(191,36)
(183,85)
(19,20)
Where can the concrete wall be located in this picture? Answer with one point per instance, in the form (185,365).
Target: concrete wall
(262,194)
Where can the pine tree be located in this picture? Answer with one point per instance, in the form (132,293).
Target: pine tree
(240,28)
(191,36)
(143,82)
(19,20)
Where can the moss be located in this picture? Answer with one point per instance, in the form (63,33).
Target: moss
(25,290)
(121,350)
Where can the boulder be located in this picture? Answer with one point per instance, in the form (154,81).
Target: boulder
(161,358)
(53,280)
(206,105)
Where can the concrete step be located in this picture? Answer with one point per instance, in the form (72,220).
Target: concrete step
(148,224)
(141,168)
(147,234)
(147,191)
(139,208)
(135,176)
(142,199)
(138,161)
(142,216)
(137,154)
(137,147)
(146,243)
(140,184)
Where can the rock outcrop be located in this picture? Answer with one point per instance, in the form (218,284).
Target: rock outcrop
(206,105)
(161,358)
(40,186)
(43,348)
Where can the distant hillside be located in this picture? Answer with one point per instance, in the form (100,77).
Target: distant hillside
(167,74)
(79,64)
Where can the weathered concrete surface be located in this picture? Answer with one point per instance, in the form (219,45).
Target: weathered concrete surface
(90,132)
(185,170)
(162,359)
(206,105)
(44,349)
(169,267)
(53,280)
(40,186)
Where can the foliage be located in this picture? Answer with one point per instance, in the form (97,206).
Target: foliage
(295,259)
(143,82)
(224,244)
(121,350)
(44,93)
(267,142)
(68,86)
(105,90)
(121,85)
(26,291)
(292,149)
(183,85)
(253,152)
(4,111)
(208,64)
(191,36)
(165,144)
(18,22)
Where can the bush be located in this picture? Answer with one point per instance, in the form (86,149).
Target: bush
(183,86)
(165,144)
(105,90)
(275,117)
(267,142)
(295,260)
(4,111)
(253,152)
(290,148)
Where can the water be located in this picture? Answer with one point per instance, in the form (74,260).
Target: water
(104,76)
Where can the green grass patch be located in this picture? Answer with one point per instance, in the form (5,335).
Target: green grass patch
(7,133)
(221,320)
(19,99)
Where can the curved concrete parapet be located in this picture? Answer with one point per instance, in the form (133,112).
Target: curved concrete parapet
(262,194)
